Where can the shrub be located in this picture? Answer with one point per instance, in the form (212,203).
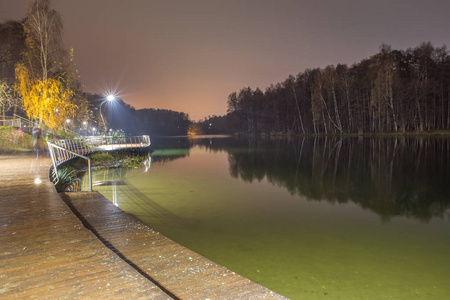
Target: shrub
(66,177)
(12,141)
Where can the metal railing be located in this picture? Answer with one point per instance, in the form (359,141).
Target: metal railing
(16,121)
(62,151)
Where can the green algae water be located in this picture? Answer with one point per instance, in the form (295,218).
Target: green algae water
(309,218)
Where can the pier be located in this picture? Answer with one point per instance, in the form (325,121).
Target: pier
(79,245)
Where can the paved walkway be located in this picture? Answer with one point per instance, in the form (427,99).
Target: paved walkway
(81,246)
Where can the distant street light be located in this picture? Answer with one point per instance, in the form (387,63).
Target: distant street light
(109,98)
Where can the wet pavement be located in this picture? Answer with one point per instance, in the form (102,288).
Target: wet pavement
(79,245)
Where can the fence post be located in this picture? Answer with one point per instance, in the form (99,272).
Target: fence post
(90,175)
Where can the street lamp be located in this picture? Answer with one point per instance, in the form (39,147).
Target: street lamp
(84,128)
(109,98)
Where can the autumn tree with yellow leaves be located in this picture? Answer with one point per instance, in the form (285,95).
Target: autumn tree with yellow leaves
(44,77)
(47,100)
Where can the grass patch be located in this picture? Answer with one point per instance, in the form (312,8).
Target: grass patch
(113,159)
(125,159)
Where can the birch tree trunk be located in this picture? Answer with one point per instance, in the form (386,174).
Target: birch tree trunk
(44,34)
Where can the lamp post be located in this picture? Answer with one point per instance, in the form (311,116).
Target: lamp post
(84,128)
(109,98)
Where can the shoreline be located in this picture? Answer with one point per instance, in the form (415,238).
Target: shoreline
(437,133)
(81,245)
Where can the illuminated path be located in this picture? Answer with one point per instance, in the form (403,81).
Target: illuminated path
(72,245)
(112,147)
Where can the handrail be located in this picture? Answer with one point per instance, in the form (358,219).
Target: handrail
(19,121)
(74,155)
(64,150)
(9,121)
(15,121)
(24,120)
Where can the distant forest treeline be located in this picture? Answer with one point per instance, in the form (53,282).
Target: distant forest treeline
(162,122)
(392,91)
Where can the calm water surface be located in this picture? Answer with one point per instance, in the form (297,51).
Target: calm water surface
(308,218)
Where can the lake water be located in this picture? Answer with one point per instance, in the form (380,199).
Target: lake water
(309,218)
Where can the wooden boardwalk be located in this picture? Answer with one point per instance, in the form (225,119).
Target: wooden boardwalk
(80,245)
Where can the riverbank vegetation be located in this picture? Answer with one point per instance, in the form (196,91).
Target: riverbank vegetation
(15,140)
(12,141)
(127,159)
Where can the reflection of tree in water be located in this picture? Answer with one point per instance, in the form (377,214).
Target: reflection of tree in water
(166,158)
(168,149)
(390,176)
(169,143)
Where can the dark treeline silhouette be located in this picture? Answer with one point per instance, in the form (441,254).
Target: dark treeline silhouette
(12,44)
(161,122)
(217,125)
(397,176)
(155,122)
(392,91)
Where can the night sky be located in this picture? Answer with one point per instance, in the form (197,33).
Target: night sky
(190,55)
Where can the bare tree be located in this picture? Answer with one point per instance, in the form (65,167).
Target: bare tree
(8,99)
(290,82)
(330,78)
(44,39)
(382,97)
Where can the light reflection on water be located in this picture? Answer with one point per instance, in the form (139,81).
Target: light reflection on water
(310,218)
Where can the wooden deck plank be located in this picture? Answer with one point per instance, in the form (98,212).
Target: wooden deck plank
(45,251)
